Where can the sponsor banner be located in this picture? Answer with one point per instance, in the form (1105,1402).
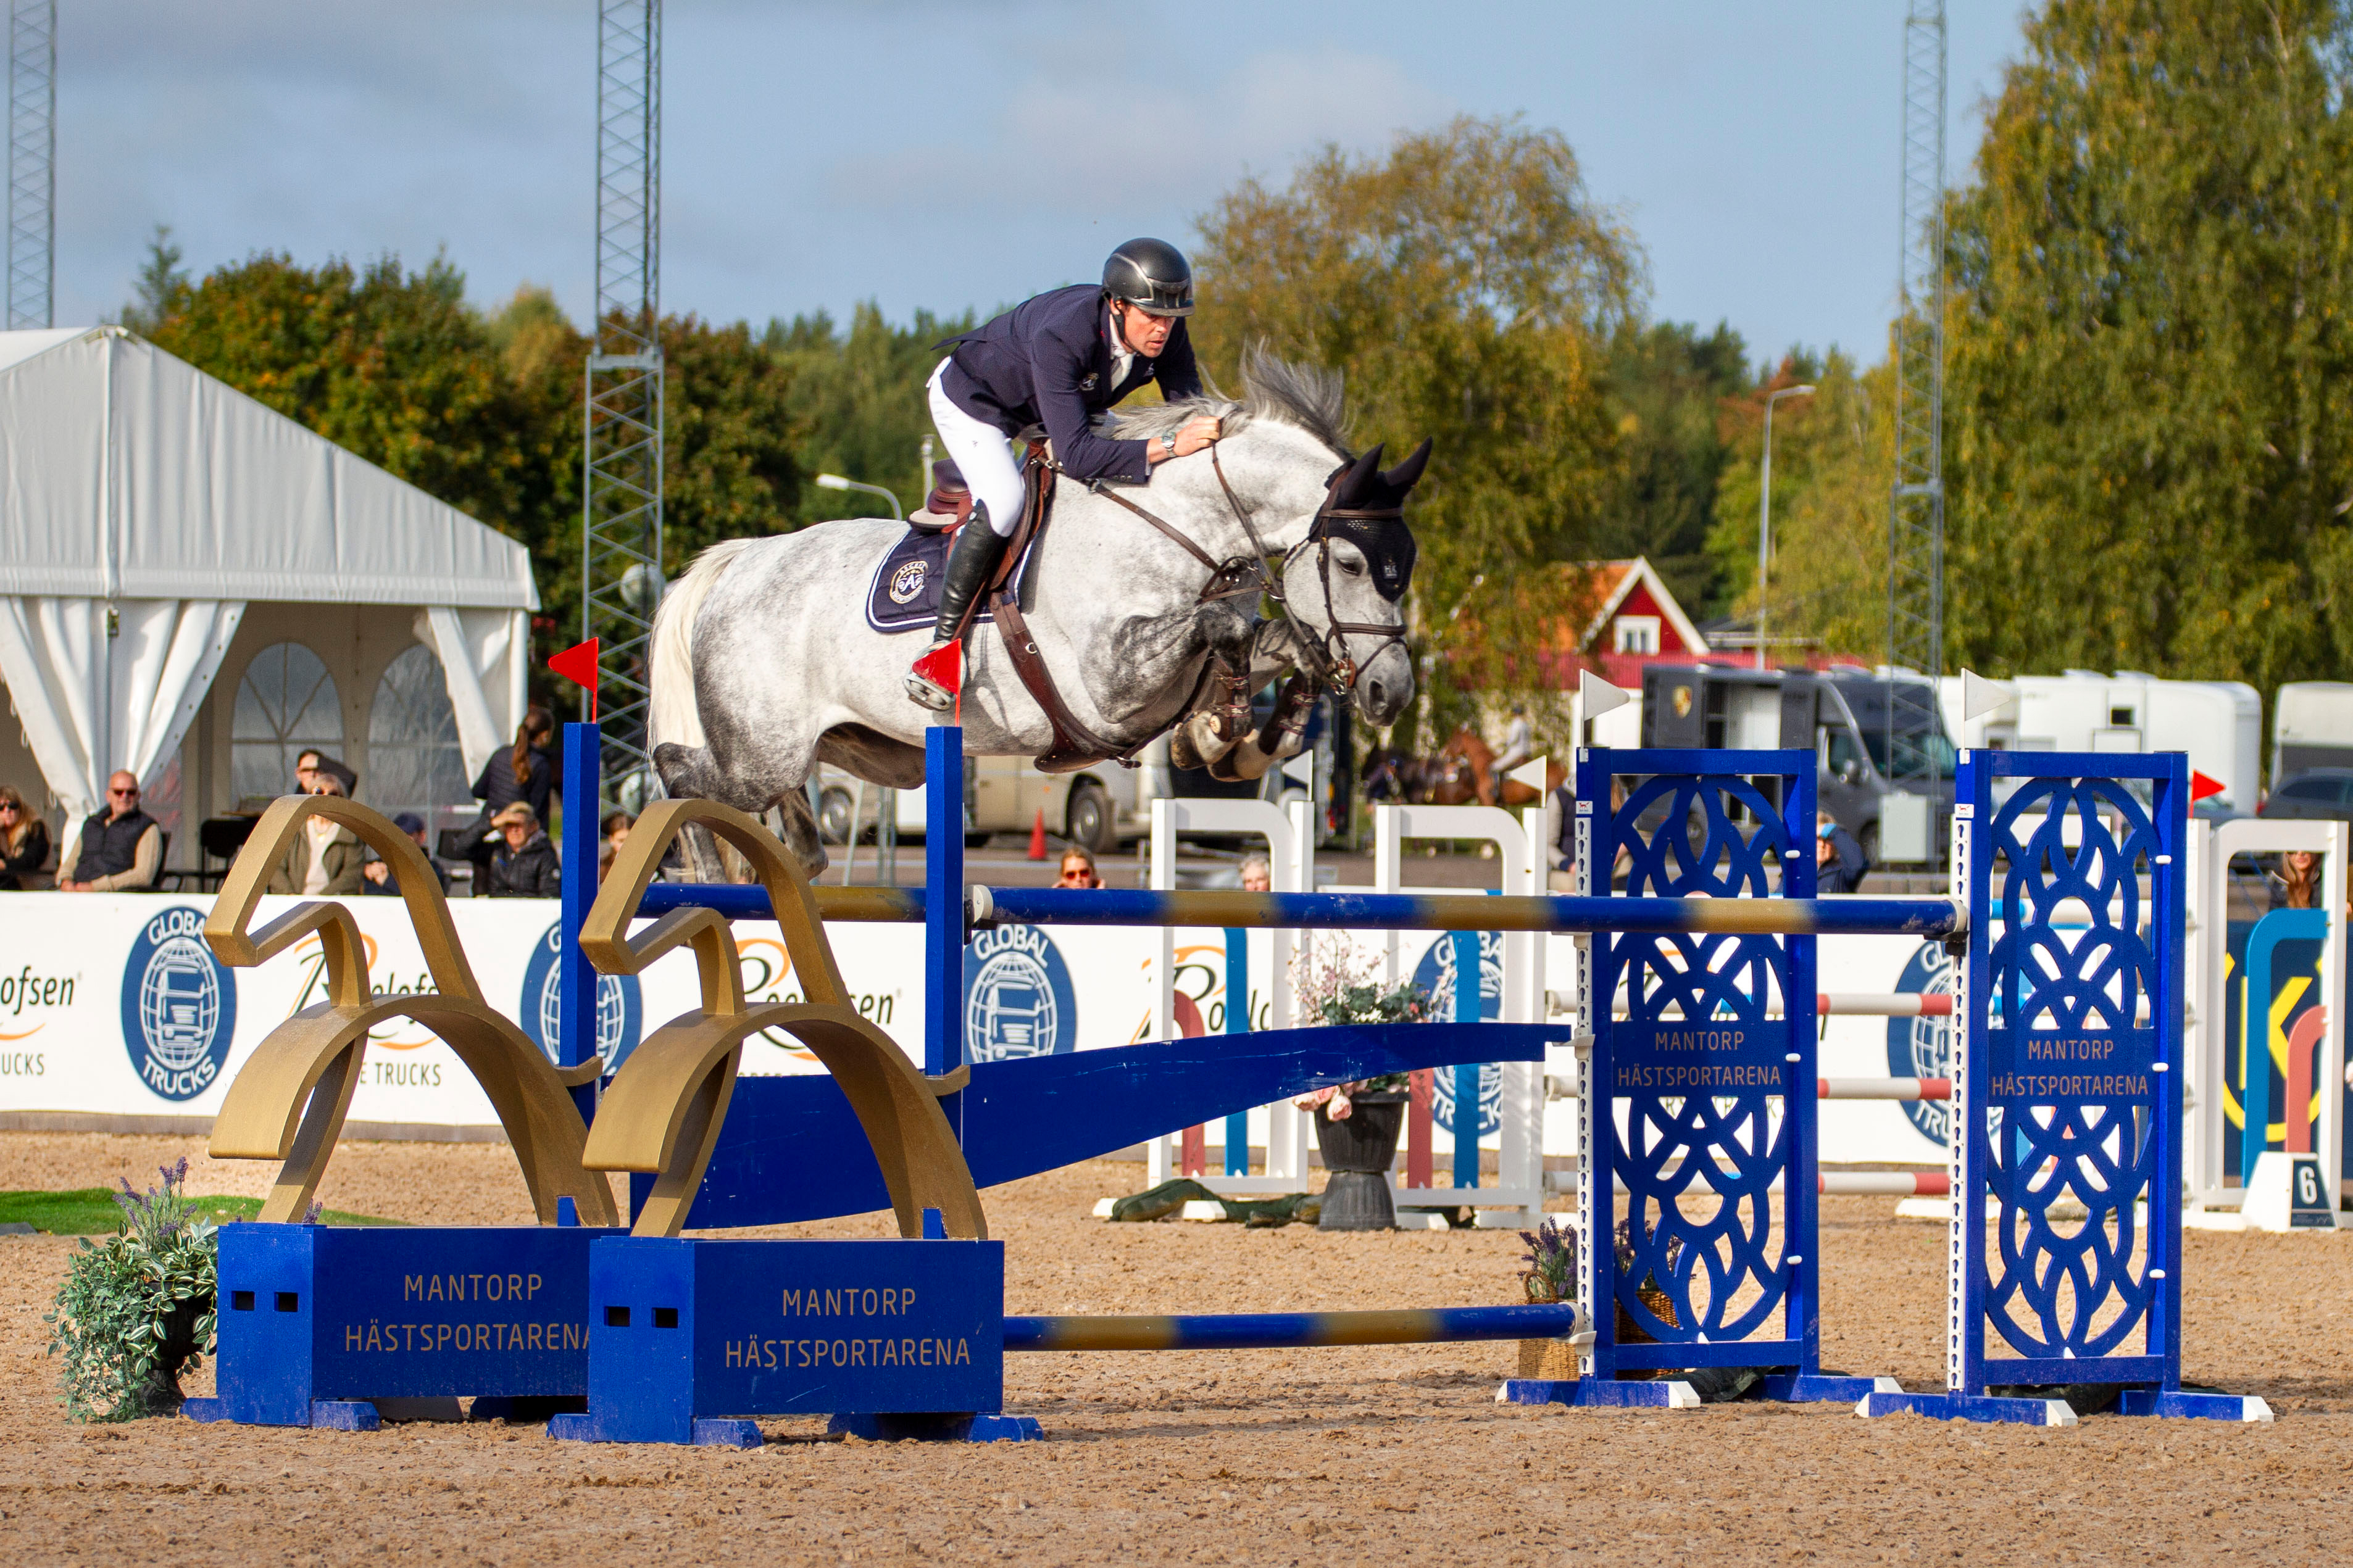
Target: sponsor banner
(112,1004)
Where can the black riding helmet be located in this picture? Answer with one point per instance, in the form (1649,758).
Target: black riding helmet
(1153,276)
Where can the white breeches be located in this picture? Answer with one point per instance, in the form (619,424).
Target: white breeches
(982,451)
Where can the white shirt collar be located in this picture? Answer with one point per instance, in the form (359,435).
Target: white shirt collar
(1122,356)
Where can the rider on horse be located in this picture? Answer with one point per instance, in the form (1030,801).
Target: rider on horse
(1056,361)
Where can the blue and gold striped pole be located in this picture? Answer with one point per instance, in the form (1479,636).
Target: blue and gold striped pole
(1363,912)
(1288,1331)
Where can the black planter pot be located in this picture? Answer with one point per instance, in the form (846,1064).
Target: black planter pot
(159,1393)
(1358,1151)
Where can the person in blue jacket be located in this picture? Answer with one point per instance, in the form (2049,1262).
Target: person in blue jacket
(1839,864)
(1057,361)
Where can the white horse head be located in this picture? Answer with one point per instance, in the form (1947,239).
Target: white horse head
(1330,518)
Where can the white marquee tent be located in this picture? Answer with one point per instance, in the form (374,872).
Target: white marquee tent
(162,534)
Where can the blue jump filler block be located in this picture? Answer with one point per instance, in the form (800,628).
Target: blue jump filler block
(890,1338)
(2067,1085)
(1711,1077)
(319,1322)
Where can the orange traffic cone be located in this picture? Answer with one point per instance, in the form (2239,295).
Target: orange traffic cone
(1038,835)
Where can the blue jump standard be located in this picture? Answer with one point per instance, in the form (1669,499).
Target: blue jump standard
(1706,1076)
(2056,1093)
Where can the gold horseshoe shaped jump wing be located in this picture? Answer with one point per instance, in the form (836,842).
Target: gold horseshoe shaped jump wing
(289,1102)
(662,1111)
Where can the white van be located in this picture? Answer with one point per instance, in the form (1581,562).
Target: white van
(2219,723)
(2311,727)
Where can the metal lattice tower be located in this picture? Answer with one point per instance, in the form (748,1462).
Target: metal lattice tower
(32,161)
(1915,513)
(621,515)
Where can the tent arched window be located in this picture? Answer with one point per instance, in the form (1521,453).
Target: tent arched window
(286,704)
(413,760)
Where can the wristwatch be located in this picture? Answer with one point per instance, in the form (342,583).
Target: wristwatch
(1169,443)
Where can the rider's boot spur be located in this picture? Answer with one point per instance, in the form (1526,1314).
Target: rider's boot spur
(972,560)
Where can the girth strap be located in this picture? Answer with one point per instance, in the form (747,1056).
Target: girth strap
(1075,745)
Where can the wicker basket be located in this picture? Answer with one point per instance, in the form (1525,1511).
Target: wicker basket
(1552,1360)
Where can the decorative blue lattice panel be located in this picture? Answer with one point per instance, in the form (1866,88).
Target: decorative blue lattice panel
(1689,1105)
(2072,989)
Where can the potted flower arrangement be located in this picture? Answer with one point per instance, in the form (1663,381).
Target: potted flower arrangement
(1356,1124)
(1550,1278)
(136,1312)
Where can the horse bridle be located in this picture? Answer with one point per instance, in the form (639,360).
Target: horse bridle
(1326,657)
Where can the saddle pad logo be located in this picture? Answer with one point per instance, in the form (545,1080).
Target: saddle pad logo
(1017,1000)
(908,581)
(1923,1048)
(179,1005)
(1435,975)
(620,1013)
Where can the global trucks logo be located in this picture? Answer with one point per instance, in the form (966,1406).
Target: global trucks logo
(1017,1000)
(619,1010)
(1435,975)
(1923,1048)
(179,1005)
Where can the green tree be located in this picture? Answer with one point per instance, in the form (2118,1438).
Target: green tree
(861,400)
(1833,458)
(1668,385)
(2149,453)
(1467,286)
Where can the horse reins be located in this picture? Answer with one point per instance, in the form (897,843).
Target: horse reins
(1231,578)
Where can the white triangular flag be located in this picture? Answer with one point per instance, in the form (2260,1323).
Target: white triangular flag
(1597,697)
(1531,774)
(1980,697)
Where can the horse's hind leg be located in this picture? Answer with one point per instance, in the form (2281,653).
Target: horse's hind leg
(687,772)
(801,834)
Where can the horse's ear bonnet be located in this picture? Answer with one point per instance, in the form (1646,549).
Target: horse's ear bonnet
(1366,507)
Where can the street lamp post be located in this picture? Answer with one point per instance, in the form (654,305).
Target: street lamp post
(1763,514)
(836,482)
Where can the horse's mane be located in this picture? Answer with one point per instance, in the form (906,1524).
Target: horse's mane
(1304,396)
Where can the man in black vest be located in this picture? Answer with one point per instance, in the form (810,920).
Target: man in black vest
(1057,361)
(119,851)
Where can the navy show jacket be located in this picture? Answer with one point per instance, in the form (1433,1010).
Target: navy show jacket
(1047,361)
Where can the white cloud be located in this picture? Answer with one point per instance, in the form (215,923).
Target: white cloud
(1084,138)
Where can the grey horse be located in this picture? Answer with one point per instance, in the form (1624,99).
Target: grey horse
(763,663)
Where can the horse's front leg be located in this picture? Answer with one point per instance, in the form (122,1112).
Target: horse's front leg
(1219,715)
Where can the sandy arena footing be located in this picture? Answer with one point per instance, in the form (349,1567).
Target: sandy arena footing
(1376,1454)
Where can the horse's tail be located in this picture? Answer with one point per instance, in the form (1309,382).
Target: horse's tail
(673,718)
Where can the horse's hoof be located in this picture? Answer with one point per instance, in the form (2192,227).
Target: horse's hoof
(927,693)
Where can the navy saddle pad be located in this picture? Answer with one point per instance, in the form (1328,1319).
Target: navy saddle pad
(906,594)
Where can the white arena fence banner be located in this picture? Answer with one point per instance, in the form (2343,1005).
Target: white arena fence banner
(113,1012)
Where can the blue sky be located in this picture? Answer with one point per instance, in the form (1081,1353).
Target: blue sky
(950,155)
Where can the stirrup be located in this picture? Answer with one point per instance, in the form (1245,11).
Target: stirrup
(937,677)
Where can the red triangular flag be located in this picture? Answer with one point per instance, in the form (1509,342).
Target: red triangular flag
(577,665)
(2200,786)
(944,668)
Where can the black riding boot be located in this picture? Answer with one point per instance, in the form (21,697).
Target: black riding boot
(972,560)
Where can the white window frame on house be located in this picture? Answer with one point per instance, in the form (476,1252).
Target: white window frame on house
(1634,634)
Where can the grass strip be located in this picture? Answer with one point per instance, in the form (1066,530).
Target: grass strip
(92,1211)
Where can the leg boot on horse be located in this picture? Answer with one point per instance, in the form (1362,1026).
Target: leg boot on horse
(972,560)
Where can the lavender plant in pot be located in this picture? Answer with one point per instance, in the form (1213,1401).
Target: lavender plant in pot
(1356,1124)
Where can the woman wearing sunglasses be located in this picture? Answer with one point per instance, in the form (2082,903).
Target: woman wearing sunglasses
(23,842)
